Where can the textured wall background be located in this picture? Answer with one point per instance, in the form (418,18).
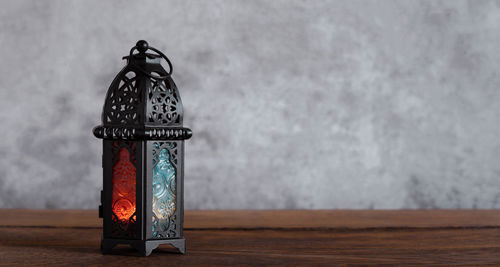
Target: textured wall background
(293,104)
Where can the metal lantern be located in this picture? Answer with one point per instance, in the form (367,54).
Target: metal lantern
(143,156)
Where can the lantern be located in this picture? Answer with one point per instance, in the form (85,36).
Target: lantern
(143,156)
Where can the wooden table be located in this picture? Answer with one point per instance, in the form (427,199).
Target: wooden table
(261,238)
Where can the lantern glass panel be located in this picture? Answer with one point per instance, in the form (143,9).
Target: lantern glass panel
(123,202)
(123,197)
(164,188)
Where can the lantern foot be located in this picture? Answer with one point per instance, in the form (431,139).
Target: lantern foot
(150,245)
(107,245)
(144,247)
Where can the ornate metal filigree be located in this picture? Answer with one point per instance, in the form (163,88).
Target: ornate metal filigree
(122,102)
(130,133)
(168,133)
(164,103)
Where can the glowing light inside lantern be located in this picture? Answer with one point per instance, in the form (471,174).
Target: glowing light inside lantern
(123,198)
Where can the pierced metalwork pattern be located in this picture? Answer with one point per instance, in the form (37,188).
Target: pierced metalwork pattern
(164,101)
(116,132)
(129,133)
(123,101)
(123,214)
(164,215)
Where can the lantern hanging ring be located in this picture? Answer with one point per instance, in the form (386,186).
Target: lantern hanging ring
(143,46)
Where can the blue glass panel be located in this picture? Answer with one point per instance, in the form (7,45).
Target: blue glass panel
(164,194)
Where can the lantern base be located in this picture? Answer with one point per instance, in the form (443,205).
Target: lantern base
(145,247)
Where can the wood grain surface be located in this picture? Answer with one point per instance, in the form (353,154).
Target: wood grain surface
(261,238)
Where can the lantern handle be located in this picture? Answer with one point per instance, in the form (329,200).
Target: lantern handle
(142,46)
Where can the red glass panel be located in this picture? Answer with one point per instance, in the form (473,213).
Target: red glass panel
(123,198)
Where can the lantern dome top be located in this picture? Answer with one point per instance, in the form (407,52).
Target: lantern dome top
(143,102)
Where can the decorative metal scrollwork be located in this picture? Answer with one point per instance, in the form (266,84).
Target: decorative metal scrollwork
(163,103)
(129,133)
(122,103)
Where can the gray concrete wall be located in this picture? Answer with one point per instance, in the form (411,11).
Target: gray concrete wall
(293,104)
